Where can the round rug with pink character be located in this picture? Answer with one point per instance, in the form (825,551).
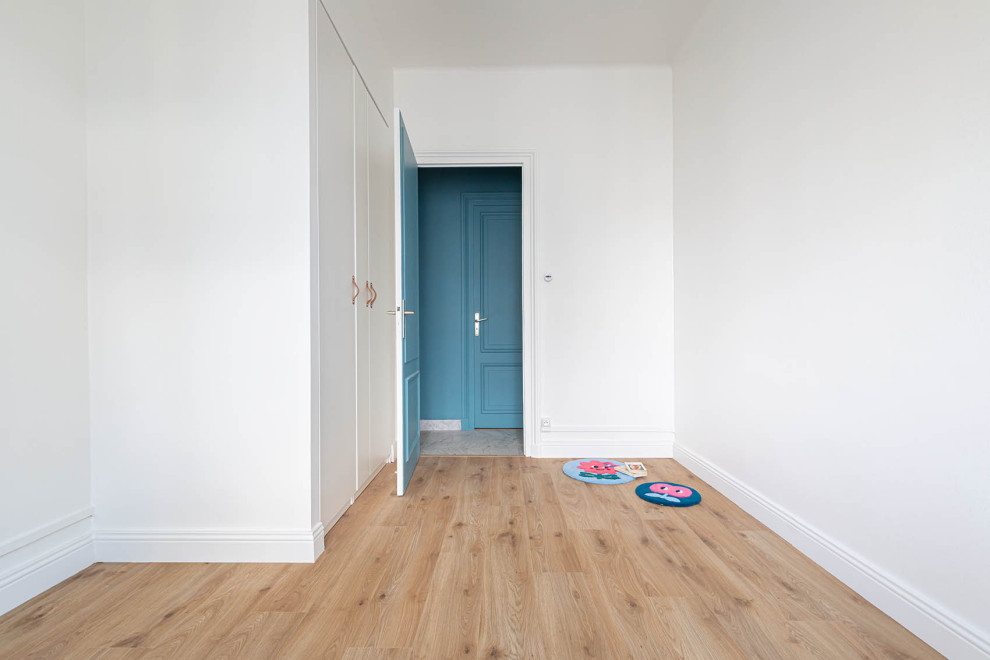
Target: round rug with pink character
(596,471)
(668,494)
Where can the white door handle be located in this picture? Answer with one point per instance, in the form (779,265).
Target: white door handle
(477,323)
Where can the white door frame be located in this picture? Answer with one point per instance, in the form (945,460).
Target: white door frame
(530,320)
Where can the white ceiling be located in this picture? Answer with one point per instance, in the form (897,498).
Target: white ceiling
(460,33)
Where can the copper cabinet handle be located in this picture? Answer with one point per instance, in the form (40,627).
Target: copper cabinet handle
(374,296)
(367,287)
(357,290)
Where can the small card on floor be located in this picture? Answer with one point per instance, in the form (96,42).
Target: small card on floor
(633,469)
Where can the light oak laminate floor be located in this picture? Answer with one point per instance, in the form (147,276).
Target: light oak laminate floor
(494,557)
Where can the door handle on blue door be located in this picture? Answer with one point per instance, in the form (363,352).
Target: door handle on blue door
(404,315)
(477,323)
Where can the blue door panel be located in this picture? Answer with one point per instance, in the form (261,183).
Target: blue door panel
(494,223)
(409,195)
(501,388)
(446,333)
(410,432)
(501,281)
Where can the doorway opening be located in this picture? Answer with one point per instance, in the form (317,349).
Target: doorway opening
(471,310)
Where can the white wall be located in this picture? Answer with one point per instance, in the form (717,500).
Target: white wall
(44,416)
(832,242)
(354,21)
(602,139)
(199,206)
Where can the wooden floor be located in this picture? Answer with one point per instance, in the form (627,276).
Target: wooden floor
(495,557)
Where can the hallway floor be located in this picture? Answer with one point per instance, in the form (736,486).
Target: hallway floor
(480,442)
(485,557)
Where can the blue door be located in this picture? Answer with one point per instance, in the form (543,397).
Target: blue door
(407,186)
(494,222)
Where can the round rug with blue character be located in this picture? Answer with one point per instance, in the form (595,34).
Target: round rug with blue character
(668,494)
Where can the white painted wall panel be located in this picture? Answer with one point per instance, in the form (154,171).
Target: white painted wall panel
(44,389)
(832,281)
(382,268)
(356,23)
(363,268)
(199,203)
(338,391)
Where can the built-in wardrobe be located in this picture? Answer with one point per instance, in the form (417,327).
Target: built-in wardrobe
(355,262)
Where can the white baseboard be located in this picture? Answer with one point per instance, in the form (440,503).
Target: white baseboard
(37,561)
(319,533)
(440,425)
(933,623)
(248,546)
(179,545)
(374,473)
(332,520)
(605,442)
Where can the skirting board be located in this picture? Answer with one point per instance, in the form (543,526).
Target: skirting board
(367,482)
(440,425)
(260,546)
(41,562)
(605,443)
(932,623)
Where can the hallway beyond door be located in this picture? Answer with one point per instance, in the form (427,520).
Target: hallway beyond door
(480,442)
(471,309)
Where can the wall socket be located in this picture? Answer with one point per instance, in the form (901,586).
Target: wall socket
(545,424)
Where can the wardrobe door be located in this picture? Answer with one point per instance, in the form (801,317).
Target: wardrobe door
(335,226)
(364,312)
(383,326)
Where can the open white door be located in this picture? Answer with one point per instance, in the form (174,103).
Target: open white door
(406,304)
